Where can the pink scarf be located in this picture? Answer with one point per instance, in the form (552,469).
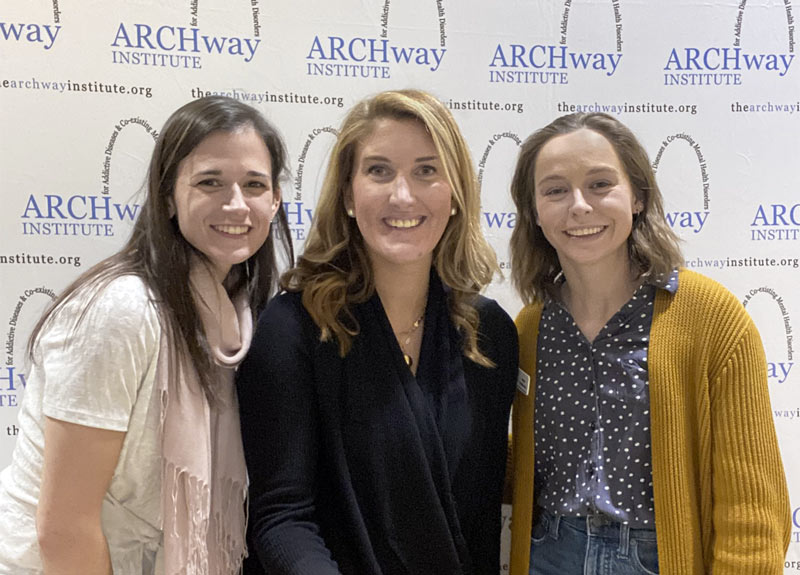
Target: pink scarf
(204,478)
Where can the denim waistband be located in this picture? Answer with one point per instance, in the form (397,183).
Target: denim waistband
(596,526)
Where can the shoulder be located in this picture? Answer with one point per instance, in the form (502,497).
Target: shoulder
(528,318)
(119,307)
(490,312)
(126,303)
(497,335)
(284,325)
(707,313)
(123,294)
(285,312)
(281,355)
(704,297)
(99,353)
(696,283)
(126,294)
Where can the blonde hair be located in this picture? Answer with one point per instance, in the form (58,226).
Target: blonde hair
(334,271)
(653,247)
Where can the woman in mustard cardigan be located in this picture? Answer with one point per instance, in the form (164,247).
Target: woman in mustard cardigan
(655,450)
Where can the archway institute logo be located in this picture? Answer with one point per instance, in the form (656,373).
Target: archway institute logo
(557,63)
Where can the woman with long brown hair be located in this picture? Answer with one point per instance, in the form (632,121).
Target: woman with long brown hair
(129,458)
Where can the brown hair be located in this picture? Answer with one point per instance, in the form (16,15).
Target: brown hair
(334,271)
(159,254)
(652,246)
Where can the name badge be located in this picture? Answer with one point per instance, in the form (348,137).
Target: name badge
(523,382)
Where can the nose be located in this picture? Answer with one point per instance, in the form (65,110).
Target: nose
(579,204)
(401,191)
(236,201)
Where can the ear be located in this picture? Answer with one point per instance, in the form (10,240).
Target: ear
(535,211)
(171,210)
(349,204)
(638,204)
(277,198)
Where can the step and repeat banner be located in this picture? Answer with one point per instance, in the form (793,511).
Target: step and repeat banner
(711,89)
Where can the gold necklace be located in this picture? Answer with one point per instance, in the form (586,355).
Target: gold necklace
(404,338)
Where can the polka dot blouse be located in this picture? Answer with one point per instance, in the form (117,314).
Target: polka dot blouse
(593,413)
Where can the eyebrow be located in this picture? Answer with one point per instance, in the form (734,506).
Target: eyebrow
(385,159)
(219,172)
(602,169)
(591,172)
(547,179)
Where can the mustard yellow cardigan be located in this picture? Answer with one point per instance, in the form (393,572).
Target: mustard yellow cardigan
(721,501)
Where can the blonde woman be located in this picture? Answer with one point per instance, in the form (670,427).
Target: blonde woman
(376,396)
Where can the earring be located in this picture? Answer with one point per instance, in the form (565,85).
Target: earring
(247,269)
(453,211)
(351,212)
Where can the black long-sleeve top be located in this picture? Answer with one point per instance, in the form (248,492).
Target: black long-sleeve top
(357,466)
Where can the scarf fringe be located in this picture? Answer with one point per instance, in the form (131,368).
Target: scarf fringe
(190,493)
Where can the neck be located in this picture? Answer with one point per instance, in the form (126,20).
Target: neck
(594,295)
(403,292)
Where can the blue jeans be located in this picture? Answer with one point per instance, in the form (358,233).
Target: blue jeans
(593,545)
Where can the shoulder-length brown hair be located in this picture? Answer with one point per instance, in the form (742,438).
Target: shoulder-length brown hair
(334,271)
(159,254)
(652,246)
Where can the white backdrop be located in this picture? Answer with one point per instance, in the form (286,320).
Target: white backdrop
(711,89)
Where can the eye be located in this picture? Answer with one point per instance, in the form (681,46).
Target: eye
(427,170)
(209,183)
(378,170)
(256,185)
(601,185)
(554,191)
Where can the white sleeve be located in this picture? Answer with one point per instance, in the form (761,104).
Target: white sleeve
(93,372)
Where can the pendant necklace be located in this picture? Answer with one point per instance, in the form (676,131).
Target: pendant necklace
(404,338)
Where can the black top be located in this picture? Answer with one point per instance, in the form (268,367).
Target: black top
(359,467)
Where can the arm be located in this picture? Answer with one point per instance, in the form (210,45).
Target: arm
(521,453)
(751,504)
(91,374)
(280,432)
(501,346)
(79,462)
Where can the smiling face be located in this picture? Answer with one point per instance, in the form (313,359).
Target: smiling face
(584,201)
(224,199)
(399,195)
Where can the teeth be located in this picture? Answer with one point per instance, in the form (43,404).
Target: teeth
(584,231)
(235,230)
(404,223)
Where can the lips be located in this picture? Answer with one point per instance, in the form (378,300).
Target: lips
(403,223)
(232,230)
(587,231)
